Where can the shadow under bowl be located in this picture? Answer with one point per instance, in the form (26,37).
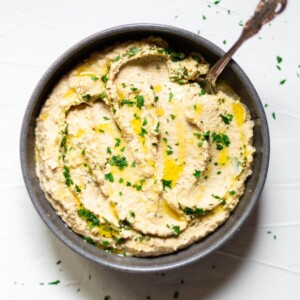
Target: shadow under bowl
(187,42)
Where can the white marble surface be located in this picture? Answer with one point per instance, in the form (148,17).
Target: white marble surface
(255,264)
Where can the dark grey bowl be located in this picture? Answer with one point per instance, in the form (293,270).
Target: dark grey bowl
(182,40)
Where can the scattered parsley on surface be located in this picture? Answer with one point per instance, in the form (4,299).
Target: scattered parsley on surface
(94,78)
(109,177)
(279,59)
(139,101)
(197,174)
(166,184)
(54,282)
(88,216)
(67,175)
(87,98)
(282,81)
(118,161)
(226,118)
(104,78)
(132,51)
(273,115)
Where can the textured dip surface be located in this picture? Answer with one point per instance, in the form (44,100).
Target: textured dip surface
(135,157)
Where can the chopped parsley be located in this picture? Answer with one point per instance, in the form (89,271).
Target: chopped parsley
(175,229)
(145,122)
(139,101)
(171,95)
(197,174)
(77,188)
(117,58)
(193,211)
(67,175)
(118,161)
(169,152)
(108,150)
(54,282)
(223,202)
(104,78)
(89,240)
(134,89)
(94,78)
(226,118)
(232,192)
(132,214)
(87,98)
(274,115)
(132,51)
(136,116)
(279,59)
(127,102)
(109,177)
(102,96)
(143,132)
(203,92)
(88,216)
(157,127)
(118,142)
(166,184)
(282,82)
(222,140)
(206,135)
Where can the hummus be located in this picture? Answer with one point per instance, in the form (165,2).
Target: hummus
(136,157)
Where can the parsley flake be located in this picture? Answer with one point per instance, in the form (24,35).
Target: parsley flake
(109,177)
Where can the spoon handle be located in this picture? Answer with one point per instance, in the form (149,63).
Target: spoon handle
(265,11)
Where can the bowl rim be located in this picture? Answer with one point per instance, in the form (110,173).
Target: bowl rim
(179,33)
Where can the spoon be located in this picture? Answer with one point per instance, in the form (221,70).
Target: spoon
(265,11)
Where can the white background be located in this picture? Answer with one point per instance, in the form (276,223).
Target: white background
(255,264)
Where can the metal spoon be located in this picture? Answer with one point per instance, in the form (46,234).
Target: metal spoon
(265,11)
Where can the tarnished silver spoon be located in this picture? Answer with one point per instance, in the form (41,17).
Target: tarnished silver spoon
(265,11)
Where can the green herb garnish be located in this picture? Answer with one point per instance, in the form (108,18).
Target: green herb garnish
(118,161)
(88,216)
(197,174)
(222,140)
(94,78)
(109,177)
(227,118)
(67,175)
(104,78)
(54,282)
(166,184)
(139,101)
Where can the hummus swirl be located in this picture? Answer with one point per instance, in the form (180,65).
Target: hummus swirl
(135,156)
